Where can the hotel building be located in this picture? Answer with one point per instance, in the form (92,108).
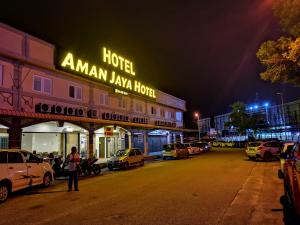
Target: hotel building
(49,107)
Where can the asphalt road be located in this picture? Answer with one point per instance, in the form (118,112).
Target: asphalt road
(190,191)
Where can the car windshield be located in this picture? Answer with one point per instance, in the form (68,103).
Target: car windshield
(121,152)
(168,147)
(254,144)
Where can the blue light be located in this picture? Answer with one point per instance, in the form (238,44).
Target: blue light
(251,108)
(266,104)
(256,107)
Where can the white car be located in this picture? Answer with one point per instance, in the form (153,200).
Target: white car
(193,148)
(20,169)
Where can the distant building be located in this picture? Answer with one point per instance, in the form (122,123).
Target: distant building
(277,121)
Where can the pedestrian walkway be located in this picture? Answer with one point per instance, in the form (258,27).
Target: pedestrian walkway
(258,200)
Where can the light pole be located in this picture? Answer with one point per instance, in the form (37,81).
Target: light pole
(197,116)
(267,115)
(282,109)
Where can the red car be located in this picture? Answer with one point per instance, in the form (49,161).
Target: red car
(292,178)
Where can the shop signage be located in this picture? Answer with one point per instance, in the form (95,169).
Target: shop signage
(124,78)
(108,131)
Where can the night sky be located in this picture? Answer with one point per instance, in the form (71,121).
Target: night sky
(200,51)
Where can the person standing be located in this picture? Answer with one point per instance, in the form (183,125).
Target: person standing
(74,160)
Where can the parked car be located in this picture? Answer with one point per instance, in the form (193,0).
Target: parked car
(123,159)
(20,169)
(287,149)
(193,148)
(177,151)
(292,178)
(264,150)
(204,146)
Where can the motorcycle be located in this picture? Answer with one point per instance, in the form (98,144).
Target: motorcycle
(89,166)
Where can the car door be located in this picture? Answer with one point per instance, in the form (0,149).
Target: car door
(17,170)
(35,169)
(3,165)
(138,156)
(131,157)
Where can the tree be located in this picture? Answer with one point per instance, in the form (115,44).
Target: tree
(281,57)
(239,119)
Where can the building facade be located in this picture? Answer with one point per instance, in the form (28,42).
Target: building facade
(277,121)
(49,107)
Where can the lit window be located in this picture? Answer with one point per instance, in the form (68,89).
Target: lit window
(42,84)
(75,92)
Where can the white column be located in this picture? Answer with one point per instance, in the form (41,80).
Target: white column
(174,138)
(169,138)
(129,141)
(181,138)
(146,143)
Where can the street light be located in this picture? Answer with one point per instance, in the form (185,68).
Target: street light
(197,116)
(266,107)
(282,108)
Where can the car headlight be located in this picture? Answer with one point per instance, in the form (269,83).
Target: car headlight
(163,151)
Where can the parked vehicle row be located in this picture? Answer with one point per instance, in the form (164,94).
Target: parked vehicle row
(266,150)
(179,150)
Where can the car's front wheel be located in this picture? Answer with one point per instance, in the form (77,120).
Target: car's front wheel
(4,192)
(47,180)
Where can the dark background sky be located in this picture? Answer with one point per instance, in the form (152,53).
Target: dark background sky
(201,51)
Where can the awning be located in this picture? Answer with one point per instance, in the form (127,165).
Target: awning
(51,117)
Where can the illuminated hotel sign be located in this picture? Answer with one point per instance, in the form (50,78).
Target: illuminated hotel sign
(111,77)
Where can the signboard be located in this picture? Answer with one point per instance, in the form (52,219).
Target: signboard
(108,131)
(124,78)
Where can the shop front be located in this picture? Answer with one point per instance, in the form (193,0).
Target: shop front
(56,138)
(110,139)
(3,136)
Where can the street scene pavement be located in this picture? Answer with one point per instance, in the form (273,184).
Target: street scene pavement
(221,187)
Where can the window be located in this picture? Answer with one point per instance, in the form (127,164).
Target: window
(179,116)
(1,74)
(138,107)
(172,115)
(153,110)
(103,99)
(75,92)
(42,84)
(162,112)
(121,102)
(15,157)
(3,142)
(30,158)
(3,157)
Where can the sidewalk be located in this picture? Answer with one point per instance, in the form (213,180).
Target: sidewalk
(258,200)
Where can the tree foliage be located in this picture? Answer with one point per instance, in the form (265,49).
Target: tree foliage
(239,119)
(281,57)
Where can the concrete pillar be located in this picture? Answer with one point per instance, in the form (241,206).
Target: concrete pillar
(146,150)
(17,86)
(15,133)
(91,141)
(169,138)
(129,141)
(181,138)
(174,138)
